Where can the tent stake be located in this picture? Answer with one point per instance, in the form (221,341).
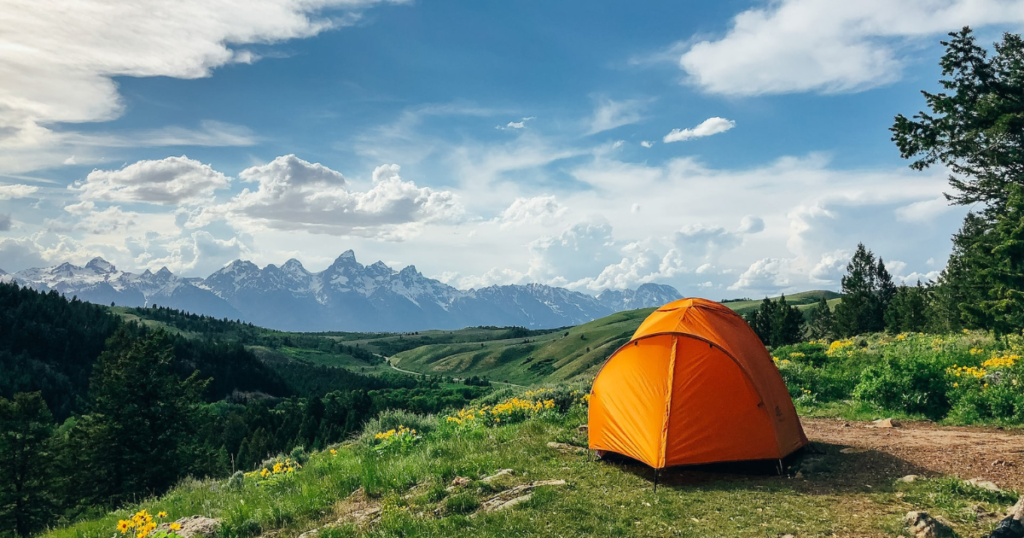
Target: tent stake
(780,467)
(656,480)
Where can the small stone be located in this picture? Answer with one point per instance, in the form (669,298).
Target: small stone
(798,475)
(909,478)
(885,423)
(197,526)
(787,536)
(499,474)
(461,481)
(984,484)
(923,525)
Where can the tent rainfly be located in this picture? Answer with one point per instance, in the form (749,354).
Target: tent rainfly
(694,385)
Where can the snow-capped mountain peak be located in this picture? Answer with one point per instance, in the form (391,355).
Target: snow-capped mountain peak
(345,296)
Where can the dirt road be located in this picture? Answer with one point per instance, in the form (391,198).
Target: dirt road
(924,448)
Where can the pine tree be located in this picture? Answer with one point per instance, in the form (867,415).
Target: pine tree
(821,324)
(26,467)
(884,294)
(965,279)
(1004,306)
(855,313)
(787,326)
(909,310)
(139,436)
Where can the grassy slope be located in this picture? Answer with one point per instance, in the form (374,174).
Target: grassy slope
(600,499)
(553,357)
(550,357)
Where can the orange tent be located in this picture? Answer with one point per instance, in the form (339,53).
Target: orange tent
(693,385)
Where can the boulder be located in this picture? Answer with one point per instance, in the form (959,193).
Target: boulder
(1012,526)
(923,525)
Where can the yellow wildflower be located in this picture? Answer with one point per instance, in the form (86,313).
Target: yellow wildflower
(175,526)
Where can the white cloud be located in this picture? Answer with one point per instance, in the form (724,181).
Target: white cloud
(923,211)
(108,221)
(827,46)
(751,224)
(543,210)
(830,269)
(170,181)
(647,144)
(574,254)
(708,127)
(293,194)
(610,114)
(767,275)
(516,125)
(58,60)
(8,192)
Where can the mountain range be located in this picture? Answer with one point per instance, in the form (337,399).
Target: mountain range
(347,296)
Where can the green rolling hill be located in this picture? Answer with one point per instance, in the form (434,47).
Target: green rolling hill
(557,356)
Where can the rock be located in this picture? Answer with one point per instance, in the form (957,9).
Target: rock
(499,474)
(908,479)
(923,525)
(461,481)
(787,536)
(513,496)
(985,484)
(885,423)
(566,447)
(1013,525)
(357,508)
(583,429)
(853,450)
(197,526)
(310,534)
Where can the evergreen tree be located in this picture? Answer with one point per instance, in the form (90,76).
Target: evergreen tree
(821,322)
(776,323)
(857,311)
(139,436)
(909,310)
(1003,309)
(26,466)
(975,127)
(964,281)
(884,295)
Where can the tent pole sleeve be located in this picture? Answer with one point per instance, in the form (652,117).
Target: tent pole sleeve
(668,403)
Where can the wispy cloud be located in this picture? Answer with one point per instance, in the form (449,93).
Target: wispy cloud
(708,127)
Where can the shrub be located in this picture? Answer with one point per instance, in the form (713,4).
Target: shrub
(909,383)
(392,419)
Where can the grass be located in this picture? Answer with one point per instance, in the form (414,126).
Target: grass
(558,356)
(600,498)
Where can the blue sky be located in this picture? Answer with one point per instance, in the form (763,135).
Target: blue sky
(484,142)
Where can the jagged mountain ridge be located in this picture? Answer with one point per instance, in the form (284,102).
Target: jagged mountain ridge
(347,296)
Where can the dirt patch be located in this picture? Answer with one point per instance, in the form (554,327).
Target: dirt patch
(925,448)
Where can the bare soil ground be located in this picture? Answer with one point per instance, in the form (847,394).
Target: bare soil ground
(924,448)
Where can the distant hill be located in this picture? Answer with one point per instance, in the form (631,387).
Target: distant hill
(556,356)
(347,296)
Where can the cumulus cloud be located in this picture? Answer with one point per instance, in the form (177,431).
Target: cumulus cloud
(767,275)
(544,210)
(573,254)
(647,144)
(293,194)
(8,192)
(751,224)
(109,220)
(170,181)
(610,114)
(825,46)
(58,61)
(708,127)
